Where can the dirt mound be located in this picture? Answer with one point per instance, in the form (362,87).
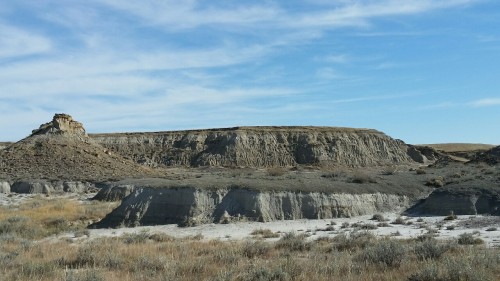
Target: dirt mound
(262,147)
(61,149)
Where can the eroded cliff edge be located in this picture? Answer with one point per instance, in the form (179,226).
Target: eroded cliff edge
(190,206)
(262,147)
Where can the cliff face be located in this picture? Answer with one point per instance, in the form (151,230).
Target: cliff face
(261,147)
(471,201)
(152,206)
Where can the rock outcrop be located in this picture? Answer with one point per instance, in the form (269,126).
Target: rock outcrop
(61,124)
(111,192)
(463,201)
(48,187)
(4,187)
(188,205)
(261,147)
(491,156)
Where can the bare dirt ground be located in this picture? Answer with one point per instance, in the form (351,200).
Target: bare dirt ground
(413,228)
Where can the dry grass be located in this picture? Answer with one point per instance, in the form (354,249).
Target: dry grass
(356,255)
(276,171)
(360,257)
(40,217)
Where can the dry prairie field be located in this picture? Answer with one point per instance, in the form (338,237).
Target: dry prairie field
(46,239)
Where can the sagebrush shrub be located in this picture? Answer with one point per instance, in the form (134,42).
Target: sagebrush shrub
(385,252)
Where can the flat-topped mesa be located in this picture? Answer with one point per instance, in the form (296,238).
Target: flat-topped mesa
(262,147)
(61,124)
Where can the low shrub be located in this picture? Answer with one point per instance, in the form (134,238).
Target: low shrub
(451,216)
(399,220)
(136,238)
(435,182)
(360,177)
(355,240)
(293,242)
(420,171)
(389,170)
(469,239)
(84,275)
(378,217)
(385,252)
(430,249)
(265,233)
(276,171)
(253,249)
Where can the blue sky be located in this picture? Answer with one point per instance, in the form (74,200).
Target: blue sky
(424,71)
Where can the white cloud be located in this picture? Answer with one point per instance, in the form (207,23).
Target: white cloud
(15,42)
(188,14)
(486,102)
(327,73)
(358,13)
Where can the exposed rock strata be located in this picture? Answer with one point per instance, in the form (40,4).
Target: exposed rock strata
(261,147)
(472,201)
(4,187)
(152,206)
(61,124)
(47,187)
(111,192)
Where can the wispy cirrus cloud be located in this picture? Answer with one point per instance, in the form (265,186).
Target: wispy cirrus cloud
(121,64)
(16,42)
(486,102)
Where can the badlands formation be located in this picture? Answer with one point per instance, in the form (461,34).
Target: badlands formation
(250,173)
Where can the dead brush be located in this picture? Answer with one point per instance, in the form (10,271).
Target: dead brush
(276,171)
(265,233)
